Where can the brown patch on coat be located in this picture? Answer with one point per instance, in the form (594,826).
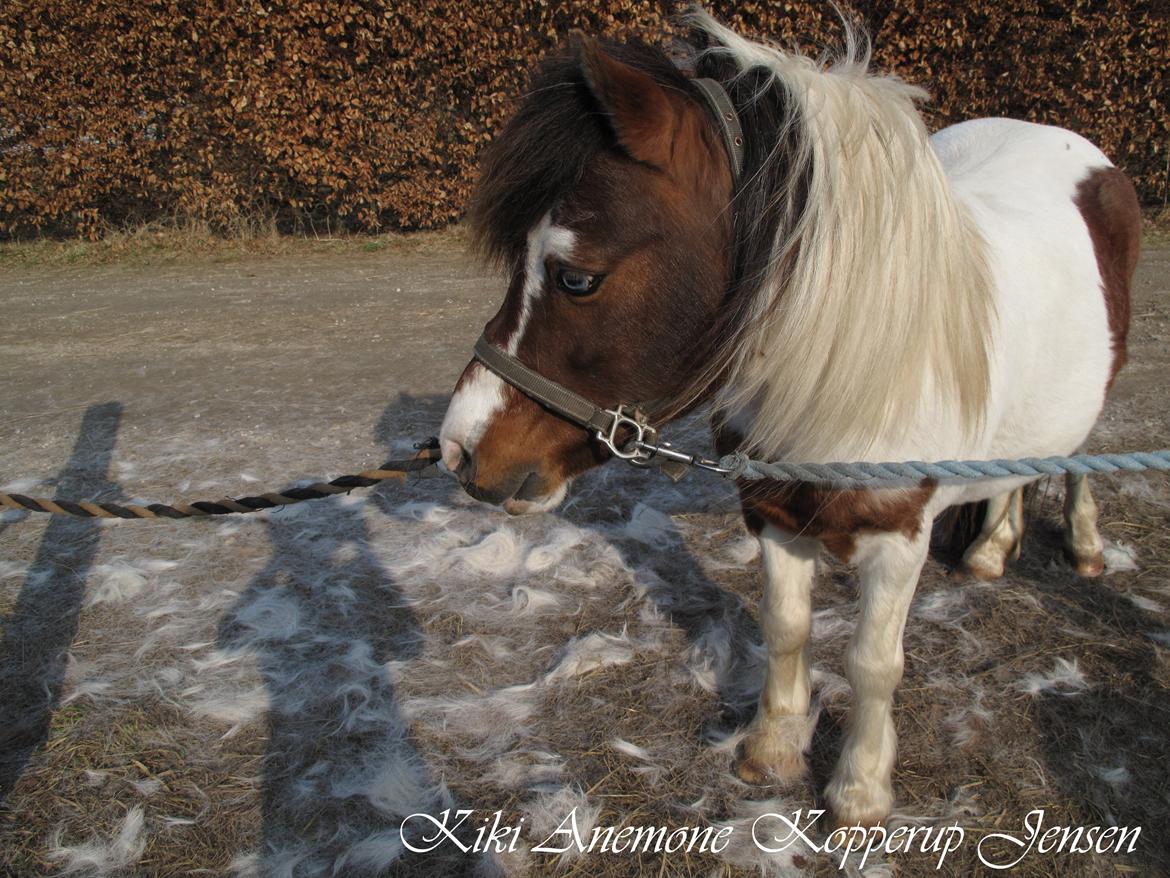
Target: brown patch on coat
(1109,206)
(834,516)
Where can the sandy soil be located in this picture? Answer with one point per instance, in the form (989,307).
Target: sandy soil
(274,694)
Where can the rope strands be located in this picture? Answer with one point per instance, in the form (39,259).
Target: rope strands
(427,457)
(872,475)
(736,466)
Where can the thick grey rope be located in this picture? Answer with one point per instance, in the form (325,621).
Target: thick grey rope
(870,475)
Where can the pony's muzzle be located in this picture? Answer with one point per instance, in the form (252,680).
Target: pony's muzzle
(517,493)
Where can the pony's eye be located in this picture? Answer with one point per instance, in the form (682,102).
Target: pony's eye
(577,283)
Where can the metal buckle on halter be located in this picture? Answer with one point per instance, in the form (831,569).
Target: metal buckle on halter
(643,448)
(635,449)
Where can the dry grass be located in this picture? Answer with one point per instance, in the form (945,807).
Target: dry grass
(184,241)
(361,620)
(1157,225)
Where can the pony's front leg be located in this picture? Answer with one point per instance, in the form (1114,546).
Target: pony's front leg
(778,736)
(860,792)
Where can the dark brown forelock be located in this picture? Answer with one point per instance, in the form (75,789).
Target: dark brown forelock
(771,132)
(544,149)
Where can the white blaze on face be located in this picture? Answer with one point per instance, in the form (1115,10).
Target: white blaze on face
(481,396)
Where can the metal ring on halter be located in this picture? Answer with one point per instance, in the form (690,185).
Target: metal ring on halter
(642,432)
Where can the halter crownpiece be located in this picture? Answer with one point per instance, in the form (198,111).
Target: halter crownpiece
(724,112)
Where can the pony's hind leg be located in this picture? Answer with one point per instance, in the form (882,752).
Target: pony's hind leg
(1082,542)
(1000,538)
(778,736)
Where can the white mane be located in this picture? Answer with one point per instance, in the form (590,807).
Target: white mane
(877,299)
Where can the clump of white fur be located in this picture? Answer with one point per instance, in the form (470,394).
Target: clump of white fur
(103,856)
(1065,678)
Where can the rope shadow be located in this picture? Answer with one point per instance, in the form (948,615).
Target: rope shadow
(38,634)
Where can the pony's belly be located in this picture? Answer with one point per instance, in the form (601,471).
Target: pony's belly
(1052,354)
(1055,359)
(972,492)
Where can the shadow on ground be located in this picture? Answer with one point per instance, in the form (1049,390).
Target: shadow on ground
(37,636)
(341,769)
(1107,748)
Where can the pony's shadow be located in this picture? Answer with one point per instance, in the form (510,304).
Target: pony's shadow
(1106,747)
(341,769)
(722,631)
(720,626)
(41,627)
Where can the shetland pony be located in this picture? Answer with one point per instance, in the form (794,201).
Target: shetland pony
(866,292)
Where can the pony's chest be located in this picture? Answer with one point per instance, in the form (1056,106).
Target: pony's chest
(835,517)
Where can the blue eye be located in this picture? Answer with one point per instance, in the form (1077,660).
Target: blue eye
(577,283)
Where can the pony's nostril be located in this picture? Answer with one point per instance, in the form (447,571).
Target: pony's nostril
(455,457)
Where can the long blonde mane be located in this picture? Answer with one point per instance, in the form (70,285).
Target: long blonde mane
(877,300)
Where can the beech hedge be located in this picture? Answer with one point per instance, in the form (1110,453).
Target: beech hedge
(370,115)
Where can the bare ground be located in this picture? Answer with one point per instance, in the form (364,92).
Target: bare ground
(274,694)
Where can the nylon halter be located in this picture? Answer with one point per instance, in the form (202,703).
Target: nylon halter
(625,430)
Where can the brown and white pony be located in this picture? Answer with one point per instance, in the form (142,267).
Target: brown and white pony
(867,292)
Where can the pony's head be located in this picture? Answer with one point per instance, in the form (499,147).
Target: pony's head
(606,201)
(844,289)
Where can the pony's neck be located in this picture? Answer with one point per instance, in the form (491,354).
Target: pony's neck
(873,302)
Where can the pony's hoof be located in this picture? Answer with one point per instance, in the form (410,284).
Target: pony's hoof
(843,821)
(856,806)
(1090,567)
(750,771)
(772,752)
(783,770)
(976,570)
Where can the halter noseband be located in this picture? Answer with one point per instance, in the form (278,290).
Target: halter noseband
(641,448)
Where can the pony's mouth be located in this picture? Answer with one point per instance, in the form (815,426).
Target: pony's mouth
(521,496)
(524,506)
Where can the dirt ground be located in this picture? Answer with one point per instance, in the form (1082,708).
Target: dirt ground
(275,694)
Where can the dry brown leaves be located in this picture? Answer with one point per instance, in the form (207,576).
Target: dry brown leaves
(370,114)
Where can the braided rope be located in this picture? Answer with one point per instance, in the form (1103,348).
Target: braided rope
(869,475)
(737,466)
(393,469)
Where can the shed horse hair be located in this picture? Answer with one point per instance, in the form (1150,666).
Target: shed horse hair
(863,291)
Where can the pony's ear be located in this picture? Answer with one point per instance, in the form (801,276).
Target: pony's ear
(637,106)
